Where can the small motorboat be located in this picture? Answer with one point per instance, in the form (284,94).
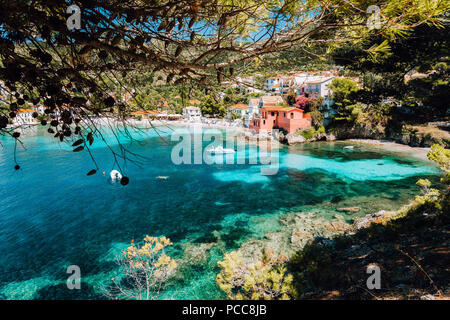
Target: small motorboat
(115,175)
(162,177)
(349,147)
(220,150)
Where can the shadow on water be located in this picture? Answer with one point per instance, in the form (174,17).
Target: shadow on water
(409,251)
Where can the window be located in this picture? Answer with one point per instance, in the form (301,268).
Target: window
(264,121)
(273,121)
(292,115)
(284,114)
(273,113)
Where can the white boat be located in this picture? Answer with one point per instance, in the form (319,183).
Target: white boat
(115,175)
(220,150)
(349,147)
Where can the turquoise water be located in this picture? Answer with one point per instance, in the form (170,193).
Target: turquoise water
(52,215)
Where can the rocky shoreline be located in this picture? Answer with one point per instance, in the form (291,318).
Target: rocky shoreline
(365,133)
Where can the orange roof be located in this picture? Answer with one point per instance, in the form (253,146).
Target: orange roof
(163,103)
(194,101)
(288,109)
(239,106)
(272,108)
(276,85)
(280,108)
(146,112)
(25,110)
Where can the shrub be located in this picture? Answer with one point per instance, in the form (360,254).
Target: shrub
(441,156)
(145,270)
(262,278)
(311,133)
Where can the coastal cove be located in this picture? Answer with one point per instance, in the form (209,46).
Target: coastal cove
(52,215)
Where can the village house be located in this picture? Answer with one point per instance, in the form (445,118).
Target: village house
(276,88)
(279,84)
(319,87)
(270,101)
(298,82)
(24,116)
(194,101)
(39,109)
(312,84)
(253,106)
(288,118)
(272,83)
(192,113)
(239,109)
(287,83)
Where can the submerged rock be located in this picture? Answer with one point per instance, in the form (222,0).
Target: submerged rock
(298,229)
(349,209)
(196,253)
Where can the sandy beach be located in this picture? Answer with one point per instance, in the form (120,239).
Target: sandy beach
(417,152)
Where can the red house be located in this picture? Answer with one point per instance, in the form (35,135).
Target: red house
(289,118)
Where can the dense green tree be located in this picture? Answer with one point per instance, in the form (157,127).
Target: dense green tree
(343,93)
(393,72)
(342,89)
(234,96)
(212,107)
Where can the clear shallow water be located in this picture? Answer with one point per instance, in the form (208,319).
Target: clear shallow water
(52,215)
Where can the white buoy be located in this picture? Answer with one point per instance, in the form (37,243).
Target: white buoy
(115,175)
(349,147)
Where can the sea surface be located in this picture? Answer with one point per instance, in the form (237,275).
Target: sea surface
(53,215)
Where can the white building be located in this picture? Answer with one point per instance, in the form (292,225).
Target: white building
(192,113)
(270,101)
(253,110)
(254,105)
(24,116)
(319,87)
(239,109)
(39,109)
(272,83)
